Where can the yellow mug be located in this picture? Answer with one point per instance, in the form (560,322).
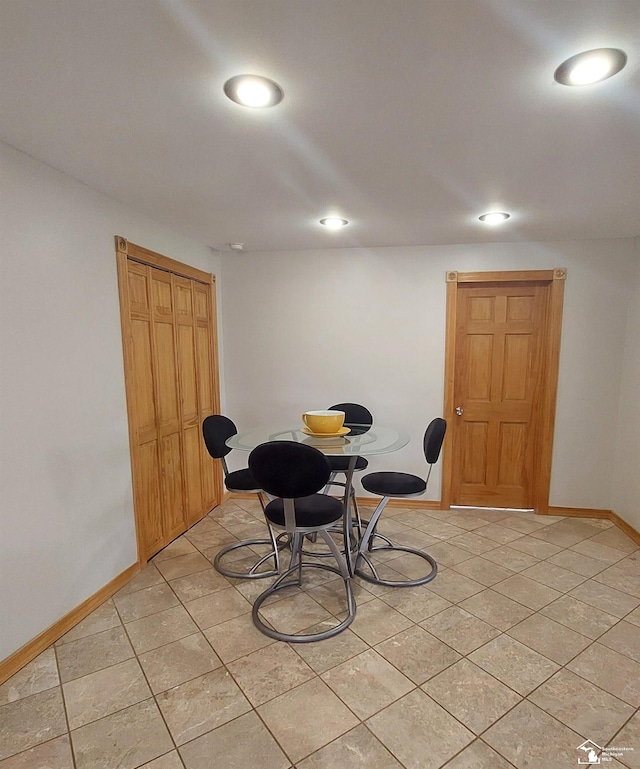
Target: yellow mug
(323,421)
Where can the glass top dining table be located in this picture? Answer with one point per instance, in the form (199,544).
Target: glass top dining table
(360,441)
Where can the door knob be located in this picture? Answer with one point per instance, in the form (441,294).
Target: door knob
(459,410)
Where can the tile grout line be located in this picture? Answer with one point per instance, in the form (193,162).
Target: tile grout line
(64,705)
(153,696)
(633,715)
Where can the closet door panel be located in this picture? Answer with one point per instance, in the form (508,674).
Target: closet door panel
(166,379)
(172,487)
(190,413)
(207,384)
(205,370)
(145,450)
(207,407)
(165,367)
(192,440)
(145,412)
(148,502)
(187,368)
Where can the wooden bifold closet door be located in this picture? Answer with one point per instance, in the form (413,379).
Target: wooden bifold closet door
(170,348)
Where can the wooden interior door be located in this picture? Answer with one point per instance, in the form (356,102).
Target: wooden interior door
(502,372)
(171,374)
(498,363)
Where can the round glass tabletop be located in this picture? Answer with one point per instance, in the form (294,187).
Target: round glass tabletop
(361,440)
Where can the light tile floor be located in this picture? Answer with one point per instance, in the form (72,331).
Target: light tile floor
(525,645)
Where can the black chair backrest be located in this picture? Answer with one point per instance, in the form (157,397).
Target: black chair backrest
(216,430)
(433,438)
(354,414)
(289,470)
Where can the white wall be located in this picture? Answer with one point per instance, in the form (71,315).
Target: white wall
(626,488)
(66,517)
(306,329)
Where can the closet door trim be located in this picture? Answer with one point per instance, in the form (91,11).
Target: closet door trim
(141,254)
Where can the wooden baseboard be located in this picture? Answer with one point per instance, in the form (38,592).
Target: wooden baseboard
(590,512)
(580,512)
(30,650)
(625,528)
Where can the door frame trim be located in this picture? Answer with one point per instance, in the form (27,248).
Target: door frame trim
(547,403)
(161,262)
(124,251)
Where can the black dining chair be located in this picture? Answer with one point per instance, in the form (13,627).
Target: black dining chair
(391,485)
(358,419)
(216,430)
(293,473)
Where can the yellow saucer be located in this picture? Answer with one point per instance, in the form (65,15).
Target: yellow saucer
(341,431)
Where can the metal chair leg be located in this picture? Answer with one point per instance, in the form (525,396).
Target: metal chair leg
(366,547)
(253,572)
(284,582)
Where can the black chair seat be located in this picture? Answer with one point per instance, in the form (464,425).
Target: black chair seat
(241,480)
(315,510)
(341,464)
(387,484)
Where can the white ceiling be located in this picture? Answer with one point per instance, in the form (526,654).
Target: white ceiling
(407,117)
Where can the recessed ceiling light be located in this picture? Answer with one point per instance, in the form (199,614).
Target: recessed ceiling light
(590,66)
(494,217)
(333,222)
(253,91)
